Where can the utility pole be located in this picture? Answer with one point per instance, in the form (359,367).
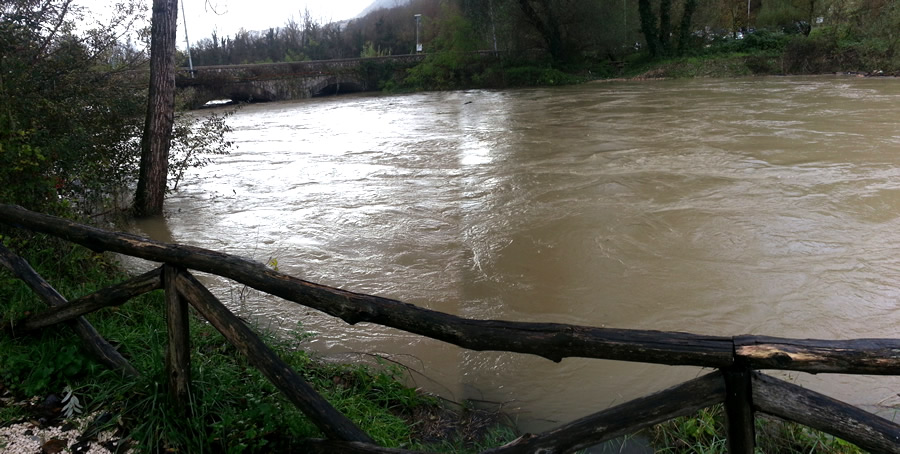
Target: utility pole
(418,43)
(493,25)
(187,41)
(748,14)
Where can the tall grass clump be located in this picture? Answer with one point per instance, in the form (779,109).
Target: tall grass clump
(705,433)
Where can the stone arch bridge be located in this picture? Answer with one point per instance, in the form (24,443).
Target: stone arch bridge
(284,81)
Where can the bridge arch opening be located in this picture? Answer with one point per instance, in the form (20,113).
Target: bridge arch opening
(339,89)
(335,86)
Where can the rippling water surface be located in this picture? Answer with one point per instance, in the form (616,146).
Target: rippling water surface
(758,206)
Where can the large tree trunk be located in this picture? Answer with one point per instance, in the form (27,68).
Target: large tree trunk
(547,24)
(151,189)
(648,26)
(684,30)
(665,25)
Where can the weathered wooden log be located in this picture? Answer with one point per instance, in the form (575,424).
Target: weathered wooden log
(855,356)
(793,403)
(739,411)
(625,419)
(331,422)
(178,347)
(550,340)
(91,339)
(110,296)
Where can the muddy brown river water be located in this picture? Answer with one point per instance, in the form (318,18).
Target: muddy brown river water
(752,206)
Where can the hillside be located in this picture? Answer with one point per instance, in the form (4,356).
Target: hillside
(381,4)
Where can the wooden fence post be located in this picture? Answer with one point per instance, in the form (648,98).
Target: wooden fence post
(330,421)
(739,410)
(178,349)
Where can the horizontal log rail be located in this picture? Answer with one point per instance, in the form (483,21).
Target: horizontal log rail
(743,391)
(99,347)
(111,296)
(550,340)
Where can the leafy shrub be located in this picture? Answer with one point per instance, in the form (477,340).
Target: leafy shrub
(805,55)
(24,180)
(759,64)
(195,141)
(523,76)
(451,62)
(764,40)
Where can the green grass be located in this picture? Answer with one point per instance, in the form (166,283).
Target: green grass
(11,413)
(705,433)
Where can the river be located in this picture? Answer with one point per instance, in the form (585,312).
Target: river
(765,206)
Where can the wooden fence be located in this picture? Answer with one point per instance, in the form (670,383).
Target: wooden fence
(736,381)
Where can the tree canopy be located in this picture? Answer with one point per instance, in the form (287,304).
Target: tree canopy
(68,110)
(72,96)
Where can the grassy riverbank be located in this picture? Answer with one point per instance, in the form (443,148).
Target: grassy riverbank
(825,51)
(765,54)
(234,408)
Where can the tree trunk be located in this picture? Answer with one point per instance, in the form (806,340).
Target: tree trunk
(684,30)
(665,25)
(648,26)
(151,189)
(547,24)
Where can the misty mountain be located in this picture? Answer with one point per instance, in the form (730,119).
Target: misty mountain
(382,4)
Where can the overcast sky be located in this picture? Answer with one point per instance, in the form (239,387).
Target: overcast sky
(249,14)
(261,14)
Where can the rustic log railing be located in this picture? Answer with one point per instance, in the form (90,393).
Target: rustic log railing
(736,383)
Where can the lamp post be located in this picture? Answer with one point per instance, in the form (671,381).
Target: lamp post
(748,14)
(418,44)
(187,42)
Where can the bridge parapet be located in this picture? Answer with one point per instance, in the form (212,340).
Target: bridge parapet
(284,81)
(305,66)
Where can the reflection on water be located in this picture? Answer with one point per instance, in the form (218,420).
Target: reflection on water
(763,206)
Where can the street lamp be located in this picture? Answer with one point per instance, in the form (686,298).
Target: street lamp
(187,42)
(418,44)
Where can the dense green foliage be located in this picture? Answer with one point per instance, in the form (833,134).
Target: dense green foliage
(66,117)
(452,62)
(72,109)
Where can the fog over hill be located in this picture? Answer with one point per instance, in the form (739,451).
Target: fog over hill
(381,4)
